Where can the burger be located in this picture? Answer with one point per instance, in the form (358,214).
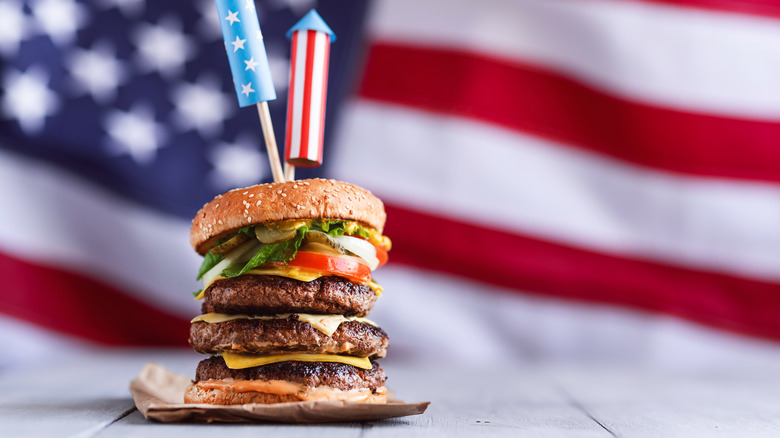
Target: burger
(287,285)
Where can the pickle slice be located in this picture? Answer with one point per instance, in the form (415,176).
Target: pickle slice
(272,235)
(231,243)
(319,237)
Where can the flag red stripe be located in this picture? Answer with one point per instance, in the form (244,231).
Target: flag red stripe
(535,101)
(767,8)
(326,61)
(307,85)
(83,307)
(291,97)
(532,265)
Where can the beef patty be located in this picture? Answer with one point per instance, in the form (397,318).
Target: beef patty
(275,336)
(334,375)
(270,295)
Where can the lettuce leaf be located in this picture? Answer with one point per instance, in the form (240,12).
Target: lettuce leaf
(209,262)
(249,231)
(276,252)
(339,228)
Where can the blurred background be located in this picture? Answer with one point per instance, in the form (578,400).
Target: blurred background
(565,180)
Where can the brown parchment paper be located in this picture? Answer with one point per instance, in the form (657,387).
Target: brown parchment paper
(158,394)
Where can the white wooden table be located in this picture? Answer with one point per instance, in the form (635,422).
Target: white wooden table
(87,396)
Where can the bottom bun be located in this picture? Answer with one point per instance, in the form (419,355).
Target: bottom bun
(238,392)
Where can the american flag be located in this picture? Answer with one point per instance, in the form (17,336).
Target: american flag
(579,179)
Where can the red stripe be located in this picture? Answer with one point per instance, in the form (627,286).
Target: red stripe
(326,62)
(291,96)
(306,109)
(524,263)
(766,8)
(531,100)
(83,307)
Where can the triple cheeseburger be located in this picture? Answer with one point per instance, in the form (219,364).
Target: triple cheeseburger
(287,287)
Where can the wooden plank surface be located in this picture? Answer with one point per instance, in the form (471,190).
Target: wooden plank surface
(87,396)
(651,403)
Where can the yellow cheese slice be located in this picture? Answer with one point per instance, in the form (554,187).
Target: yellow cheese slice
(239,361)
(288,271)
(327,324)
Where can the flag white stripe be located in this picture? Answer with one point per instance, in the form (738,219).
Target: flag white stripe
(515,327)
(298,84)
(60,220)
(22,342)
(500,178)
(317,89)
(685,58)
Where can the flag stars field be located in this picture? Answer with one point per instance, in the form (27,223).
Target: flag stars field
(201,106)
(279,63)
(208,25)
(60,19)
(13,27)
(96,72)
(135,133)
(28,98)
(237,164)
(162,47)
(129,8)
(298,7)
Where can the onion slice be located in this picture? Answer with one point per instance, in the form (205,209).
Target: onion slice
(360,248)
(233,256)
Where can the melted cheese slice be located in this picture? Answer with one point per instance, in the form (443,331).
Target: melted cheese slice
(239,361)
(327,324)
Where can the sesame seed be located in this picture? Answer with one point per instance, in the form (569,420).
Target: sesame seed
(259,202)
(250,218)
(251,195)
(284,194)
(219,221)
(295,186)
(245,192)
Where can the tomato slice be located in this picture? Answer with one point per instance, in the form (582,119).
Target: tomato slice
(381,254)
(351,268)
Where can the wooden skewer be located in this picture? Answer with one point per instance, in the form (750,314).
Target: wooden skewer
(270,141)
(289,172)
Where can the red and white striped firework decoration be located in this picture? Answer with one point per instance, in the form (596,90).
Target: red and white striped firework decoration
(311,39)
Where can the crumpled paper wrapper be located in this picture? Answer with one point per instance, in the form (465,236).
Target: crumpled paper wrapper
(158,394)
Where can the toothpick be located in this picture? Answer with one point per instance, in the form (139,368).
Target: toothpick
(270,141)
(289,172)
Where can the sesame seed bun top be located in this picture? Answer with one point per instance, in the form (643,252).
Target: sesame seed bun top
(300,199)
